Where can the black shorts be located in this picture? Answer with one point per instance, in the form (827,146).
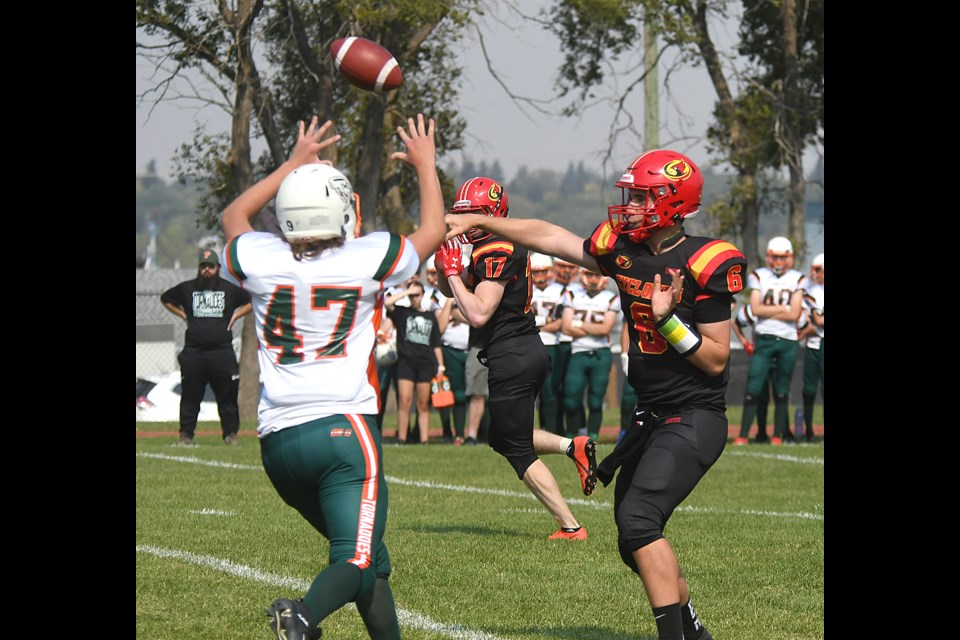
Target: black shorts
(680,448)
(416,370)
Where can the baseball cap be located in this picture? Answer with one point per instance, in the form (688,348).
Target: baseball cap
(209,256)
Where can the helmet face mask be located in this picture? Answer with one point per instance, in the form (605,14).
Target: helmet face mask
(658,189)
(779,255)
(592,281)
(316,201)
(564,271)
(816,269)
(484,196)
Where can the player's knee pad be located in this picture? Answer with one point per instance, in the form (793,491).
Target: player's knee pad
(780,398)
(749,398)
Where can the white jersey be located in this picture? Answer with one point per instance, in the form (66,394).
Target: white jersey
(457,334)
(544,303)
(595,309)
(317,321)
(775,290)
(564,299)
(813,299)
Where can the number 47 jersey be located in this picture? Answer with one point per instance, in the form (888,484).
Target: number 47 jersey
(316,321)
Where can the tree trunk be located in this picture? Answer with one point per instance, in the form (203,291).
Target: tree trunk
(792,141)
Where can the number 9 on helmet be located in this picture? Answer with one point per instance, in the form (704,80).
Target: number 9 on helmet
(316,201)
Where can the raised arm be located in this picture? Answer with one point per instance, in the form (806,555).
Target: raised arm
(539,235)
(236,217)
(421,154)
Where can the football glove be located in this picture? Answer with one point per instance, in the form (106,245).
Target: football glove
(748,347)
(449,259)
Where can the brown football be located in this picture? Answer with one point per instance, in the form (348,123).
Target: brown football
(365,64)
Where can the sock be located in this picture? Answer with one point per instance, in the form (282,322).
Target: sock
(565,446)
(692,629)
(669,625)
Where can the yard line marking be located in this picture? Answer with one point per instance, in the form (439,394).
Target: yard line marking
(191,459)
(775,456)
(407,618)
(590,504)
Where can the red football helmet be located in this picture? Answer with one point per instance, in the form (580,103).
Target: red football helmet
(658,189)
(481,195)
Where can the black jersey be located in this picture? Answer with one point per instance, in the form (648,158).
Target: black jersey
(713,270)
(208,311)
(497,259)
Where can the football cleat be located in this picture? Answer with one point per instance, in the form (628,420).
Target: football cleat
(290,620)
(739,442)
(579,534)
(583,451)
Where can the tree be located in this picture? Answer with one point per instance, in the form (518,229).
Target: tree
(212,47)
(767,114)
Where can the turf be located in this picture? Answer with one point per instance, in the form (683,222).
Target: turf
(215,545)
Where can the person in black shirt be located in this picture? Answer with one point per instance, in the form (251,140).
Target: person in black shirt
(210,305)
(494,295)
(420,358)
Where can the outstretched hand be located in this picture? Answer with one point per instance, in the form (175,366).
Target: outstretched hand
(421,150)
(459,224)
(664,301)
(310,142)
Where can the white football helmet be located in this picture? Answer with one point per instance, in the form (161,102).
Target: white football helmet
(779,255)
(316,201)
(816,268)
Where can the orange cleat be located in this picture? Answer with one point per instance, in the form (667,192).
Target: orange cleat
(583,451)
(739,442)
(579,534)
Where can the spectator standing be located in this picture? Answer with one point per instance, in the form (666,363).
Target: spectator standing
(813,352)
(679,361)
(744,320)
(776,299)
(210,306)
(494,296)
(589,313)
(317,294)
(545,300)
(454,340)
(419,358)
(387,373)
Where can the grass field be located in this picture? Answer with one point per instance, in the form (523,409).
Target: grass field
(215,545)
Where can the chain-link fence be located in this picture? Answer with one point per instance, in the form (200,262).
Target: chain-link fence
(160,333)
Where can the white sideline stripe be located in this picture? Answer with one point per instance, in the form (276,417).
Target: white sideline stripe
(590,504)
(406,618)
(775,456)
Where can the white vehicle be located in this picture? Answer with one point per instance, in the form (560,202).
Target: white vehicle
(158,400)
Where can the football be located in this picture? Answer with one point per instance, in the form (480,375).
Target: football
(365,64)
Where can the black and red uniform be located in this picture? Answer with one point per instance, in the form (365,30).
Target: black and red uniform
(681,407)
(511,348)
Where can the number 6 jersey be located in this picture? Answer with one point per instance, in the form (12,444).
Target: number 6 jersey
(713,272)
(310,315)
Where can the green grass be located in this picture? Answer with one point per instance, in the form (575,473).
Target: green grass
(468,543)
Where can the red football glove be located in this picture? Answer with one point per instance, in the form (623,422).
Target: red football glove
(449,259)
(748,347)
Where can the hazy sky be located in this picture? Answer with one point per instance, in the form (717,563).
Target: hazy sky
(527,60)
